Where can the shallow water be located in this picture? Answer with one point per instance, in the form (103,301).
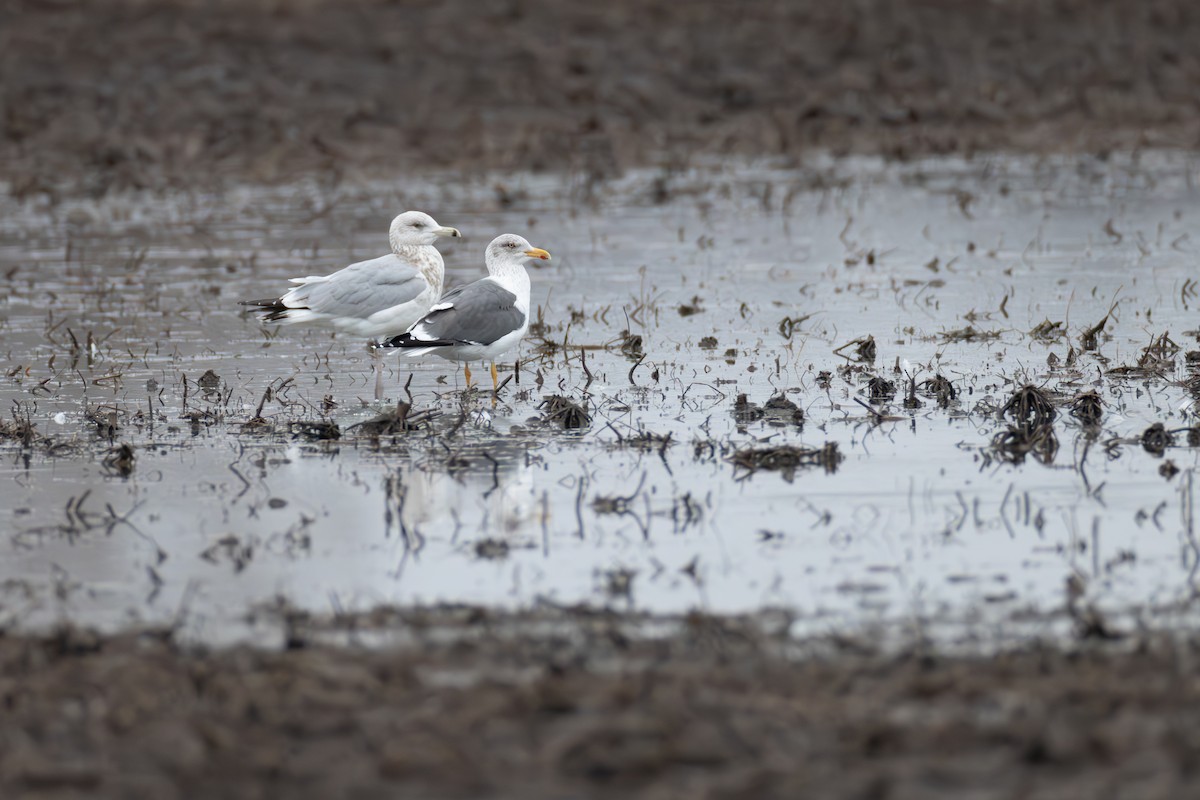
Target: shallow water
(921,526)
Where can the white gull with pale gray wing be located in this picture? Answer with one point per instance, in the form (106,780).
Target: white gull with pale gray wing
(376,298)
(482,320)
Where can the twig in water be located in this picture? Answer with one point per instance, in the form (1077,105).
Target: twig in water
(635,366)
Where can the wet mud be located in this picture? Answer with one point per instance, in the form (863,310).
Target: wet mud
(466,702)
(129,94)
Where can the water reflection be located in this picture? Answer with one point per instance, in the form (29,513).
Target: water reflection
(923,519)
(484,488)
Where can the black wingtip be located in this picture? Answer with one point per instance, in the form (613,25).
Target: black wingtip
(272,310)
(264,305)
(406,340)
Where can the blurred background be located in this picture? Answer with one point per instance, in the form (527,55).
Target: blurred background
(149,93)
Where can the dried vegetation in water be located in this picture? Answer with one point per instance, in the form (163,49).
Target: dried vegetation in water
(786,459)
(564,413)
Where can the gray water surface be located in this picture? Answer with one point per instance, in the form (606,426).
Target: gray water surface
(922,524)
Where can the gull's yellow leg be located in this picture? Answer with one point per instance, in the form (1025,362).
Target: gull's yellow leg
(494,376)
(467,375)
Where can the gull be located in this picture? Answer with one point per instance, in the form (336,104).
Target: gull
(484,319)
(376,298)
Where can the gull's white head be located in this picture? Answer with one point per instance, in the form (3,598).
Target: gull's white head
(510,250)
(417,227)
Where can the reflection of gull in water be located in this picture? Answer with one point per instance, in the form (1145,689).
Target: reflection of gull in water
(499,489)
(376,298)
(484,319)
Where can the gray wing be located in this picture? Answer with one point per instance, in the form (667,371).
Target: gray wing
(361,289)
(478,313)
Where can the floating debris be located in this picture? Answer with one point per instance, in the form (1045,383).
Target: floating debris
(745,412)
(1156,360)
(120,461)
(690,308)
(618,504)
(270,393)
(777,411)
(631,345)
(968,334)
(1031,433)
(1192,385)
(612,504)
(20,429)
(709,343)
(230,548)
(1018,441)
(209,382)
(538,327)
(317,431)
(1156,439)
(1161,350)
(910,396)
(105,420)
(781,411)
(788,325)
(391,423)
(1047,330)
(1029,406)
(618,583)
(491,549)
(1088,408)
(786,459)
(880,390)
(649,441)
(1090,338)
(939,388)
(864,349)
(256,424)
(565,412)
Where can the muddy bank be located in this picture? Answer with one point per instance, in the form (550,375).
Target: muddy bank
(130,94)
(469,703)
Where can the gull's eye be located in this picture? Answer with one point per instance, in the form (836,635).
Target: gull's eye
(510,245)
(418,225)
